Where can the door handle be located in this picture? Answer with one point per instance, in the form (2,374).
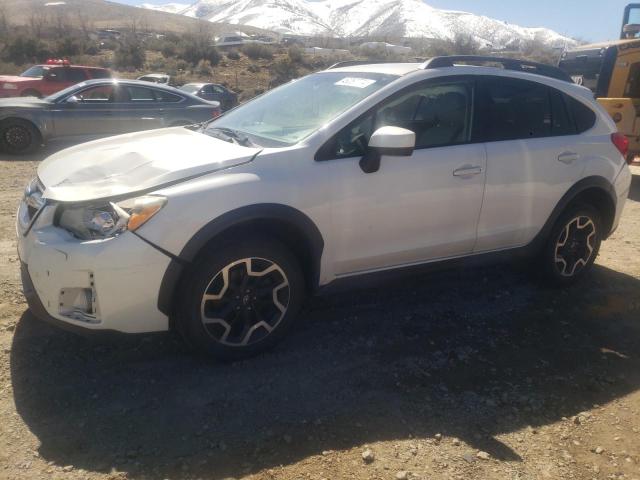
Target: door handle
(467,171)
(568,157)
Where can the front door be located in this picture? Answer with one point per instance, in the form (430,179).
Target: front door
(414,209)
(91,112)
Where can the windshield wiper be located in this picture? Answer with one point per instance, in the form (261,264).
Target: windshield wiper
(229,135)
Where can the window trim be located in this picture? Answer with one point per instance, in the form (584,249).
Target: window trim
(470,80)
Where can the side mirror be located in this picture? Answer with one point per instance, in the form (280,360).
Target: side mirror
(73,100)
(393,141)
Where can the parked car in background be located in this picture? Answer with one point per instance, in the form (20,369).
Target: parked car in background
(97,108)
(219,232)
(213,91)
(46,79)
(161,78)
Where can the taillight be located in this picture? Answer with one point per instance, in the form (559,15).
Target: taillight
(621,142)
(215,114)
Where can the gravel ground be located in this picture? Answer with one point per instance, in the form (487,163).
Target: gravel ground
(468,374)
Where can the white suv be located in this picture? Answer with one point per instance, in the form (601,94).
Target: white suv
(219,231)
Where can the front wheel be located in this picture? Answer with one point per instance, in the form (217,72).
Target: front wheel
(573,245)
(241,299)
(19,137)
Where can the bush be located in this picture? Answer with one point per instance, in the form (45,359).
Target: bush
(282,71)
(130,54)
(296,55)
(23,49)
(253,68)
(204,68)
(194,48)
(257,50)
(92,49)
(168,50)
(69,46)
(233,55)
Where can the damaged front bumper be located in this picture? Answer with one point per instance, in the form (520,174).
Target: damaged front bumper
(109,284)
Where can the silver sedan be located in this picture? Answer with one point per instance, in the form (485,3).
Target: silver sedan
(97,108)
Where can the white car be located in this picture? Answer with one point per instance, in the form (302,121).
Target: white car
(219,232)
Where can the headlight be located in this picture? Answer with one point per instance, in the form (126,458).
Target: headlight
(10,86)
(90,222)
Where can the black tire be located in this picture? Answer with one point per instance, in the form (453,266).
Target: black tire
(19,137)
(572,246)
(248,303)
(31,93)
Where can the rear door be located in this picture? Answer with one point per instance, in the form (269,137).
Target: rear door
(139,109)
(534,156)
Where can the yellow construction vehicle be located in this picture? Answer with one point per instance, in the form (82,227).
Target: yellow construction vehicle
(612,71)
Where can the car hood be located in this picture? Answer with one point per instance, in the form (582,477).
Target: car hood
(136,163)
(22,102)
(16,79)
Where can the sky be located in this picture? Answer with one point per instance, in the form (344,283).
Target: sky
(590,20)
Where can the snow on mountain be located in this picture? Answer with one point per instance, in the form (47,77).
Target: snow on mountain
(368,18)
(167,7)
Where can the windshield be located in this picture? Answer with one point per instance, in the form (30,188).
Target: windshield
(286,115)
(190,88)
(36,71)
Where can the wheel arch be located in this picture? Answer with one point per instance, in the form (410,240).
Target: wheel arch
(12,118)
(287,224)
(594,190)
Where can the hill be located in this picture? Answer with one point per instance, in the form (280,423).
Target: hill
(368,18)
(96,14)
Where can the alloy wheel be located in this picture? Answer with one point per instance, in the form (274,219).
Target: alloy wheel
(575,245)
(17,137)
(245,301)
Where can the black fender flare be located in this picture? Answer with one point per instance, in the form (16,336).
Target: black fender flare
(582,185)
(243,215)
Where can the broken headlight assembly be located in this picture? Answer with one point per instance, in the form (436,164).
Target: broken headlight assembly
(105,220)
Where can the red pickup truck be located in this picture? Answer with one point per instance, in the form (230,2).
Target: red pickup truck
(46,79)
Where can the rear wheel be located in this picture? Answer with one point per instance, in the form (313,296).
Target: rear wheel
(19,137)
(241,299)
(573,245)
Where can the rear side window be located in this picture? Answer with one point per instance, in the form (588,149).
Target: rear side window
(583,116)
(99,73)
(561,121)
(163,96)
(513,109)
(75,75)
(140,94)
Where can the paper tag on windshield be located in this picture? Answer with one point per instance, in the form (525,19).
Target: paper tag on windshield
(355,82)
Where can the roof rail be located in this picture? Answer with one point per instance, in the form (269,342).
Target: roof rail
(353,63)
(507,64)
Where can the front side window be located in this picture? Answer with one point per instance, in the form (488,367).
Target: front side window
(98,94)
(286,115)
(439,115)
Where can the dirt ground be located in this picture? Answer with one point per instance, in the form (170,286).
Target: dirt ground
(468,374)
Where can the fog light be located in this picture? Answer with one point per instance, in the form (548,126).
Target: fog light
(78,304)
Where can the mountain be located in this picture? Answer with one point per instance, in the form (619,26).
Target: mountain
(367,18)
(167,7)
